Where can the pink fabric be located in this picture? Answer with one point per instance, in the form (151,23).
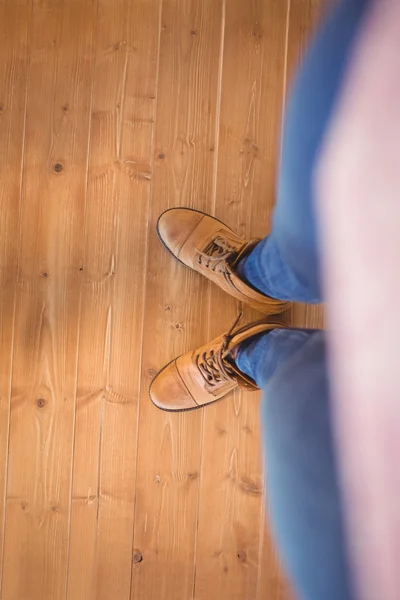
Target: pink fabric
(358,187)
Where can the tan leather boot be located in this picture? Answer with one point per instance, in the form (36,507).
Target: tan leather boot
(208,246)
(207,374)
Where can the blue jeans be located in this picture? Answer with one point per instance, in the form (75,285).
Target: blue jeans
(290,365)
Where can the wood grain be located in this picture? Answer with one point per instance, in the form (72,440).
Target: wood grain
(176,302)
(231,501)
(47,303)
(112,111)
(120,174)
(14,50)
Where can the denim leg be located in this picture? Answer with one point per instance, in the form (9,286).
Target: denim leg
(285,264)
(290,367)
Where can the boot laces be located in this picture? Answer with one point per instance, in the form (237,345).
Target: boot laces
(216,254)
(212,364)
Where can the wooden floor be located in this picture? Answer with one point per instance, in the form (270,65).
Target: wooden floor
(110,112)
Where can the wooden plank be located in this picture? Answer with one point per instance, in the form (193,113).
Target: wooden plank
(231,502)
(47,304)
(176,301)
(303,18)
(121,166)
(14,48)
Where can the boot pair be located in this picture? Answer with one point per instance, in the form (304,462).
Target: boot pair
(211,248)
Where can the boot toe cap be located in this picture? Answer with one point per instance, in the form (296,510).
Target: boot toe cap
(175,226)
(168,392)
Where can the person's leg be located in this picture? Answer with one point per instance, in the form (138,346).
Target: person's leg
(285,264)
(303,490)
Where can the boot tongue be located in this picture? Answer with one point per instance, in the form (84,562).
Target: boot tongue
(244,381)
(243,333)
(240,335)
(243,251)
(232,340)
